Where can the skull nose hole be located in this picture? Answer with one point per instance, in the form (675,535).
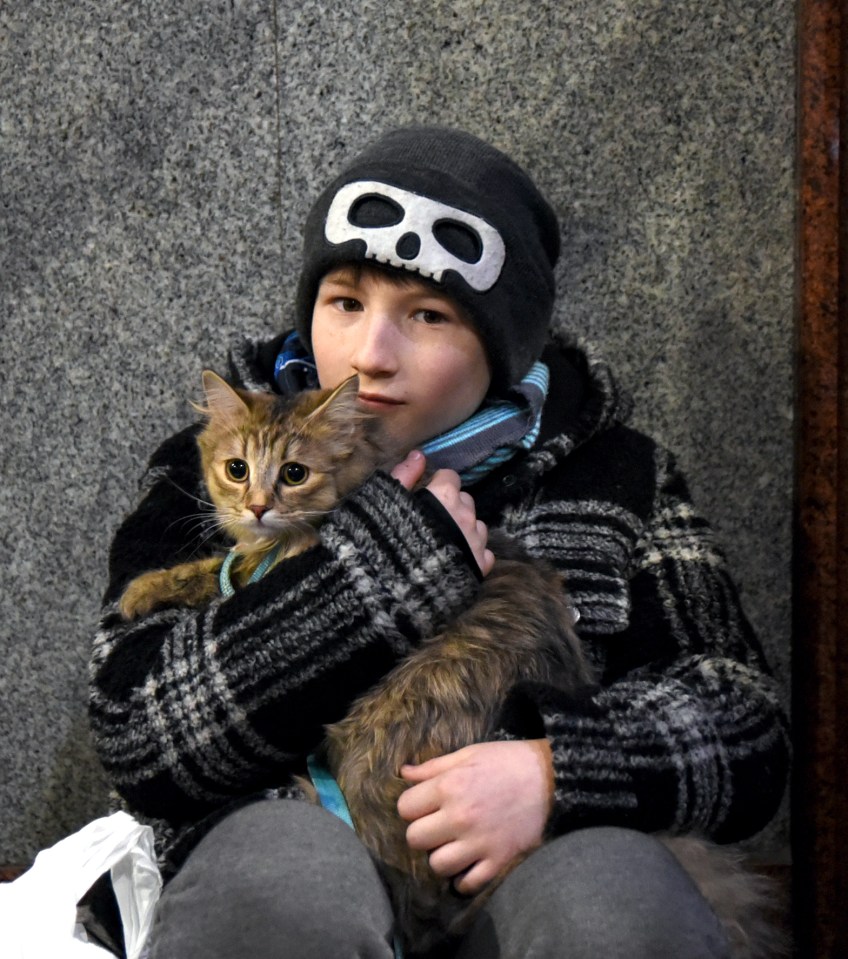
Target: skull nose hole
(408,246)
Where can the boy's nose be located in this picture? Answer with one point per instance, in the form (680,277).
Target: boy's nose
(376,352)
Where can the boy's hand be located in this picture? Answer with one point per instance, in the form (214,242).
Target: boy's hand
(409,471)
(477,809)
(446,487)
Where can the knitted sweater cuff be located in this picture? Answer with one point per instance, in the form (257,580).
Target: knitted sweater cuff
(409,549)
(592,786)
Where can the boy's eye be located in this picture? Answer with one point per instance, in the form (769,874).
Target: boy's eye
(348,304)
(293,474)
(430,317)
(237,470)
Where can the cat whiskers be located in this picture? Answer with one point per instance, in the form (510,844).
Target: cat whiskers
(310,518)
(192,496)
(206,521)
(204,525)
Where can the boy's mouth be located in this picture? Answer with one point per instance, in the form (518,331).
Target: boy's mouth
(377,401)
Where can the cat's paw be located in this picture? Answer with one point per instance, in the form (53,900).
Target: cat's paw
(140,597)
(188,584)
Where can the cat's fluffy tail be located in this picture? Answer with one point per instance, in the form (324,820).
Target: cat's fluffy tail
(745,902)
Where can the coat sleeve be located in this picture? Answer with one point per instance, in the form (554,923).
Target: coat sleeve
(685,731)
(192,708)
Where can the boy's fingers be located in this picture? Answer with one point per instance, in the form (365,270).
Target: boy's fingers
(446,486)
(410,470)
(417,801)
(418,772)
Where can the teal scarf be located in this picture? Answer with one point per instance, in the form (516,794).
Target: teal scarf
(495,433)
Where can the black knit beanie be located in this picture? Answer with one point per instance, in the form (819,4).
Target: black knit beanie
(454,210)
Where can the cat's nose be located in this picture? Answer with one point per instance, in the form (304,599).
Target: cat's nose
(258,510)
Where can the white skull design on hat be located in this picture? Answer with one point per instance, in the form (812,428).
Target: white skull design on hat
(414,232)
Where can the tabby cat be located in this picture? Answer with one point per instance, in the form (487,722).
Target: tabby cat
(274,469)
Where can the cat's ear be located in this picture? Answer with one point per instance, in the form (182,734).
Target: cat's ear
(340,404)
(221,399)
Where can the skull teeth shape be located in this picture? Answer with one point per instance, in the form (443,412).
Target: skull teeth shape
(413,232)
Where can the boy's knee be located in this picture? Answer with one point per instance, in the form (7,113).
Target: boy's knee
(272,873)
(604,891)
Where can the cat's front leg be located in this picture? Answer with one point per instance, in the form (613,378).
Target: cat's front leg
(187,584)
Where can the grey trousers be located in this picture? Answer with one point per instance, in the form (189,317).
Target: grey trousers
(288,880)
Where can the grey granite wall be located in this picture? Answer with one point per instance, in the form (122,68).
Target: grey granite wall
(157,162)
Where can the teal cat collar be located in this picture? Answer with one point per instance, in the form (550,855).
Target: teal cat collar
(224,581)
(329,792)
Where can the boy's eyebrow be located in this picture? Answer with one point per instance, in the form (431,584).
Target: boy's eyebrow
(342,274)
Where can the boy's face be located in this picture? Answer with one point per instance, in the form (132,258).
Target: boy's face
(422,366)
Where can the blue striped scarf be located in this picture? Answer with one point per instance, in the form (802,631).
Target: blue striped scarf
(495,433)
(487,439)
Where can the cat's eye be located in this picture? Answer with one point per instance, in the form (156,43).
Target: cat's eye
(293,474)
(237,470)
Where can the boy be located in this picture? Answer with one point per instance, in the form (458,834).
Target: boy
(428,271)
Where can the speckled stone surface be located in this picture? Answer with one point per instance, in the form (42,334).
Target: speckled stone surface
(157,163)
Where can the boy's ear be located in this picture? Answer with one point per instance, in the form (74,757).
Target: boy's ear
(221,399)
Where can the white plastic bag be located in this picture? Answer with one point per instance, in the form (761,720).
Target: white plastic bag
(38,911)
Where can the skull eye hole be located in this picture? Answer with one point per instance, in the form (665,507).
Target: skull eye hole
(375,211)
(459,239)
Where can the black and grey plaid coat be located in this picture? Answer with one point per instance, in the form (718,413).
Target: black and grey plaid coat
(193,711)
